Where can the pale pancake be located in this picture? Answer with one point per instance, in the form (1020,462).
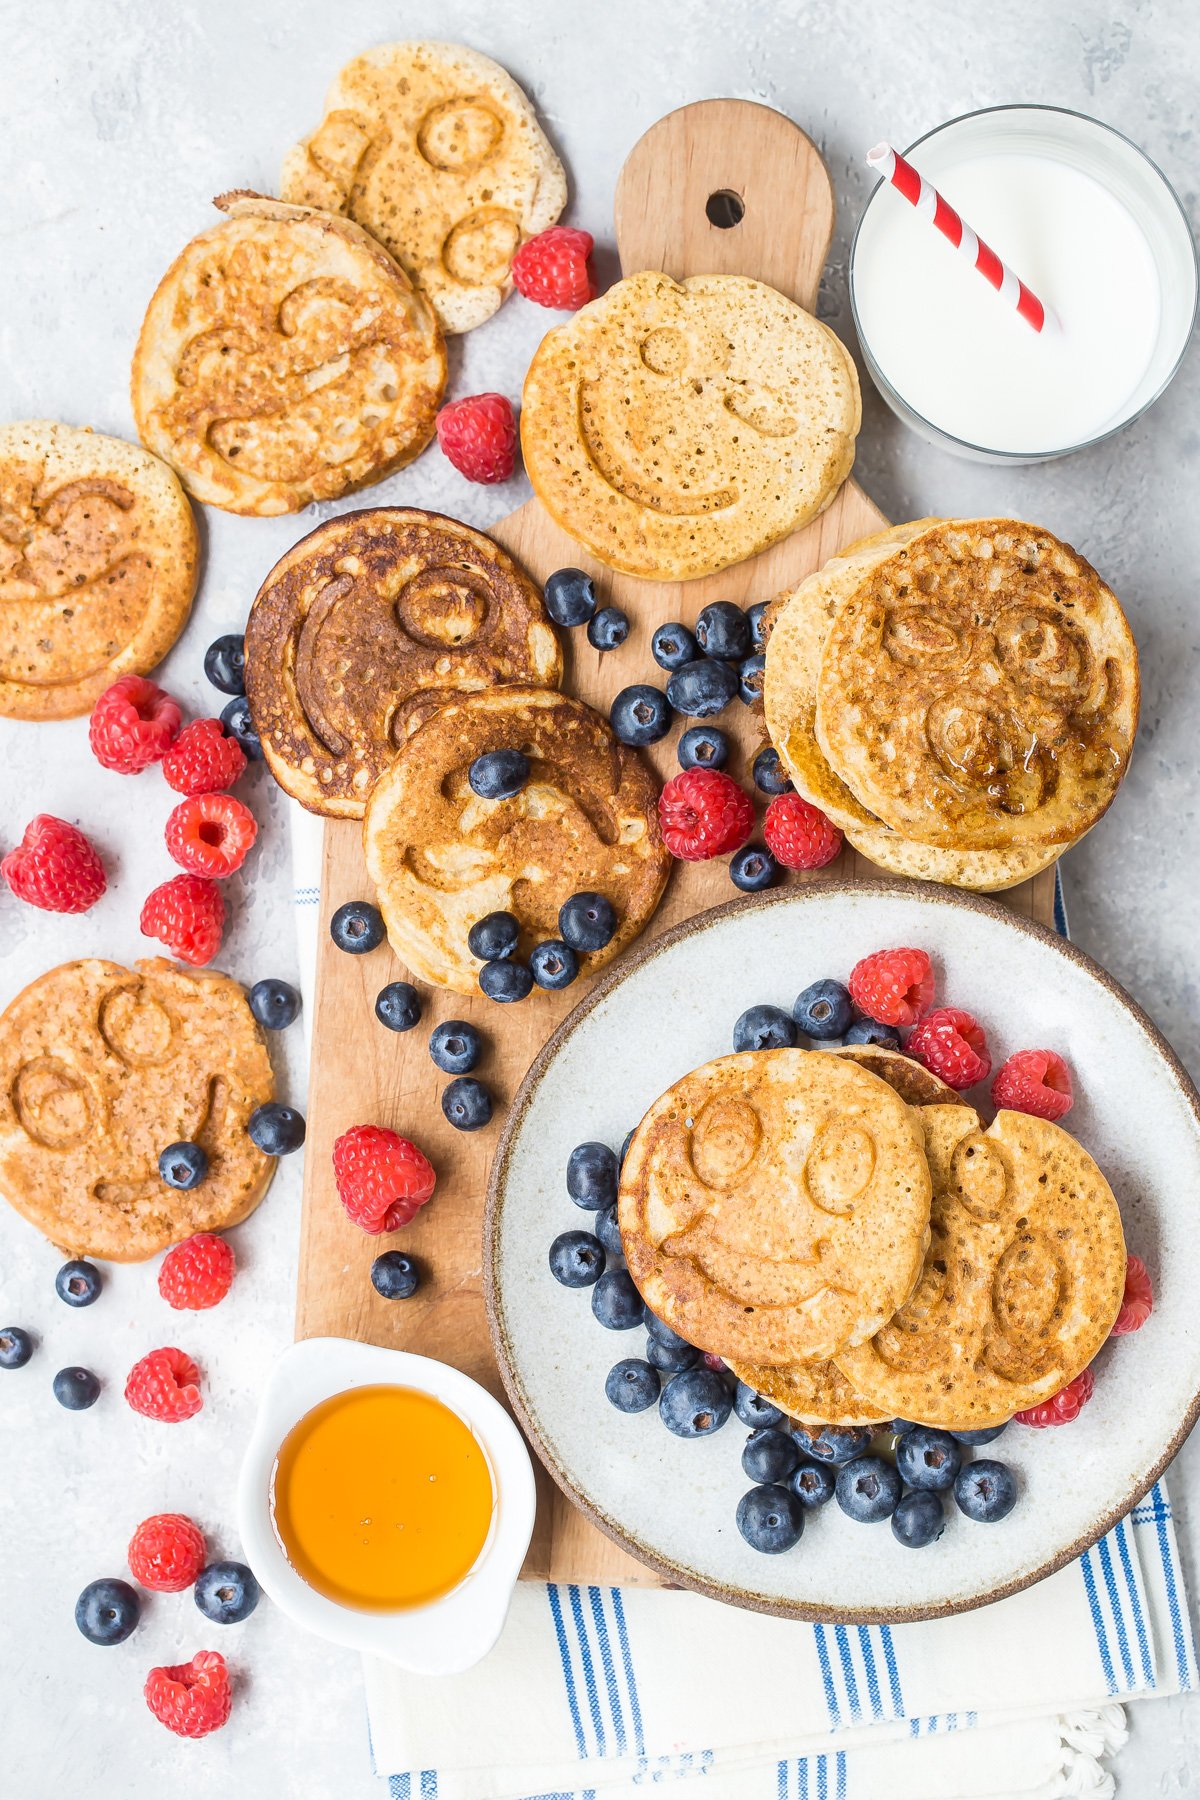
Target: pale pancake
(367,624)
(285,357)
(677,427)
(979,689)
(436,151)
(98,561)
(441,858)
(1022,1281)
(101,1069)
(917,1086)
(814,1393)
(774,1205)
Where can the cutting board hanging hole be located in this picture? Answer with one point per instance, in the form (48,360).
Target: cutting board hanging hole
(724,209)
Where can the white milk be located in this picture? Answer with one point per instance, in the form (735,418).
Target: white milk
(968,363)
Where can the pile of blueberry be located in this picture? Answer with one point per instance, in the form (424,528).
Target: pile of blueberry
(722,659)
(823,1013)
(225,666)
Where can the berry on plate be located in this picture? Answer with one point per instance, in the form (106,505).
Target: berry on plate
(576,1259)
(770,1518)
(704,813)
(837,1443)
(951,1044)
(357,927)
(870,1031)
(164,1385)
(203,760)
(16,1346)
(764,1028)
(587,922)
(133,724)
(799,834)
(823,1010)
(187,914)
(226,1592)
(478,435)
(382,1179)
(78,1283)
(395,1276)
(191,1699)
(632,1385)
(813,1484)
(1138,1302)
(183,1165)
(552,268)
(197,1273)
(54,867)
(76,1388)
(986,1490)
(753,1410)
(867,1489)
(985,1434)
(275,1129)
(927,1458)
(570,596)
(696,1403)
(275,1004)
(166,1553)
(1034,1081)
(640,714)
(608,1230)
(893,987)
(107,1611)
(1062,1408)
(210,834)
(770,1454)
(919,1519)
(616,1303)
(593,1173)
(670,1357)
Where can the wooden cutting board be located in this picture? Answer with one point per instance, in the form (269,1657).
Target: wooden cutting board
(711,160)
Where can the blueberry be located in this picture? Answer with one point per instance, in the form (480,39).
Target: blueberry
(703,747)
(870,1031)
(498,774)
(587,921)
(919,1519)
(771,1519)
(672,646)
(505,981)
(16,1347)
(108,1610)
(867,1489)
(395,1276)
(752,868)
(640,714)
(927,1458)
(455,1046)
(665,1334)
(593,1175)
(823,1010)
(183,1165)
(695,1403)
(701,689)
(226,1592)
(225,663)
(813,1483)
(276,1130)
(76,1389)
(671,1359)
(237,721)
(632,1385)
(274,1004)
(78,1283)
(576,1259)
(616,1302)
(398,1006)
(764,1028)
(609,1231)
(553,964)
(770,776)
(467,1104)
(753,1410)
(838,1443)
(570,597)
(357,927)
(770,1454)
(494,937)
(986,1490)
(751,675)
(723,630)
(985,1435)
(625,1143)
(756,619)
(608,629)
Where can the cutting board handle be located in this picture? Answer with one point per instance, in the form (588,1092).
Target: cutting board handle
(727,187)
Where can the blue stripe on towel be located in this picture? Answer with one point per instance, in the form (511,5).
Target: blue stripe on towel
(568,1673)
(1183,1663)
(1118,1612)
(840,1764)
(635,1705)
(872,1673)
(831,1700)
(1121,1535)
(848,1675)
(1098,1625)
(610,1673)
(589,1672)
(889,1657)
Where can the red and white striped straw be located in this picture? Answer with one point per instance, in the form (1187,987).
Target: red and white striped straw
(931,205)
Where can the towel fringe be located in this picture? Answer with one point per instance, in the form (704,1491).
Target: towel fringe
(1086,1738)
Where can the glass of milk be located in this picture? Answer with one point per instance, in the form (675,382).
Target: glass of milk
(1089,223)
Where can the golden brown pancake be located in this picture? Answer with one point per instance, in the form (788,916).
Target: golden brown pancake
(915,1084)
(368,624)
(814,1393)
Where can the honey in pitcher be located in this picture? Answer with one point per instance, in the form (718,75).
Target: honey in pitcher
(382,1498)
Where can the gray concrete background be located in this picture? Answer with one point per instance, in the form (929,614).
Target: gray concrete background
(121,118)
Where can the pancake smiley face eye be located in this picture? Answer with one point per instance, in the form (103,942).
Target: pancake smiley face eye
(459,134)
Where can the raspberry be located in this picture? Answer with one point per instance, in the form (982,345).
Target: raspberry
(714,1362)
(133,724)
(203,759)
(187,914)
(552,268)
(1138,1303)
(951,1043)
(164,1386)
(893,987)
(54,867)
(382,1179)
(211,834)
(704,813)
(479,436)
(1034,1081)
(1064,1406)
(196,1274)
(191,1699)
(166,1553)
(798,834)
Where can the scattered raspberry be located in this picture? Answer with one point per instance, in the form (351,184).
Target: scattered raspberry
(191,1699)
(54,867)
(552,268)
(704,813)
(211,834)
(166,1553)
(1066,1405)
(798,834)
(1034,1081)
(714,1362)
(187,914)
(951,1044)
(164,1385)
(133,724)
(382,1179)
(1138,1303)
(894,987)
(203,759)
(479,436)
(196,1274)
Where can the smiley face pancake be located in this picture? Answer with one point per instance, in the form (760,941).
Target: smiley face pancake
(435,151)
(442,858)
(285,357)
(367,625)
(101,1069)
(1022,1280)
(774,1206)
(98,560)
(677,427)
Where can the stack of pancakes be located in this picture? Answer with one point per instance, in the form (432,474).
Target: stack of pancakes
(857,1247)
(959,696)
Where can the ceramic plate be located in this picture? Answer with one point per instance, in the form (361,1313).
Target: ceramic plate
(671,1006)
